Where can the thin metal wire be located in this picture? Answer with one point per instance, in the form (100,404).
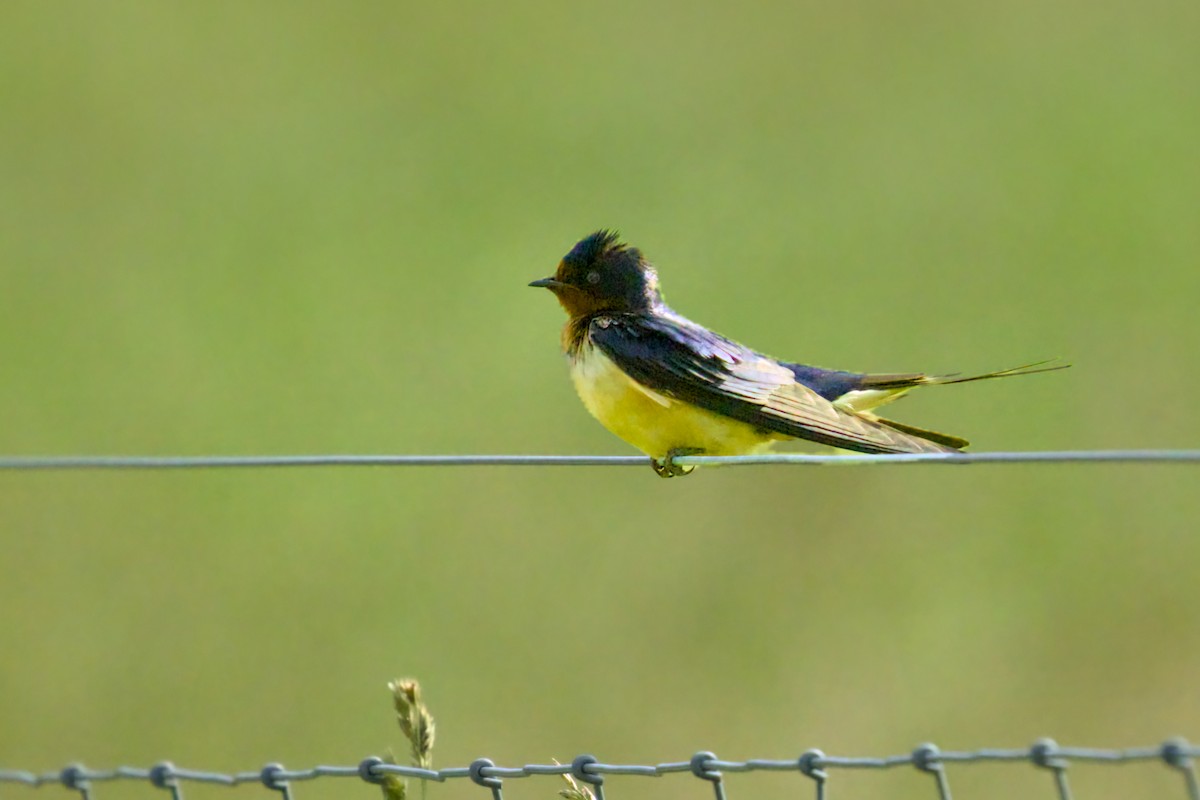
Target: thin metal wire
(332,460)
(1176,754)
(134,462)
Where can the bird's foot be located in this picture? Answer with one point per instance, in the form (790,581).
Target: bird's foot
(666,467)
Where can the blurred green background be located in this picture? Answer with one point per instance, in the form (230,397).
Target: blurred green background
(305,228)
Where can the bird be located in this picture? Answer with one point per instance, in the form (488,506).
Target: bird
(673,388)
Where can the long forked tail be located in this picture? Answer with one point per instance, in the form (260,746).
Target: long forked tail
(878,390)
(1048,365)
(909,380)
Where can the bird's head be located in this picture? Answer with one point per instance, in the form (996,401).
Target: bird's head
(601,274)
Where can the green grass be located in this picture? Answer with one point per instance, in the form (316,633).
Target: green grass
(278,228)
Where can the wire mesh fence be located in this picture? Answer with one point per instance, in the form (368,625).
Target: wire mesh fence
(814,765)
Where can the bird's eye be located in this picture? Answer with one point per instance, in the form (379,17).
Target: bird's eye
(593,277)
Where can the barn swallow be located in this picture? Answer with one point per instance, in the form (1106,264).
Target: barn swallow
(671,387)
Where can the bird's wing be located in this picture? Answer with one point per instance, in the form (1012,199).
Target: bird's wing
(686,362)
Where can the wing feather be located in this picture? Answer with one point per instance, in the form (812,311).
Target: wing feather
(685,361)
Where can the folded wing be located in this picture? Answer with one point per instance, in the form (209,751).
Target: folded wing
(689,363)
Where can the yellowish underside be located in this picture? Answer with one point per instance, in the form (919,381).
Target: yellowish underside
(653,423)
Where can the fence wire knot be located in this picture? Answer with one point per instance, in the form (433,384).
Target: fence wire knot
(366,769)
(1174,752)
(809,764)
(928,758)
(580,773)
(72,777)
(162,776)
(271,777)
(701,769)
(1046,753)
(475,771)
(1177,753)
(699,765)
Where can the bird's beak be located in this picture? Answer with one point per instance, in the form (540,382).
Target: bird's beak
(548,283)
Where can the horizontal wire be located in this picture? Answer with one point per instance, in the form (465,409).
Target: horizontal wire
(331,460)
(128,462)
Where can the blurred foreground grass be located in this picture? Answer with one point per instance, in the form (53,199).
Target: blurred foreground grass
(263,228)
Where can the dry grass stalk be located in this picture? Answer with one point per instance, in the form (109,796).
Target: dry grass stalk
(416,723)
